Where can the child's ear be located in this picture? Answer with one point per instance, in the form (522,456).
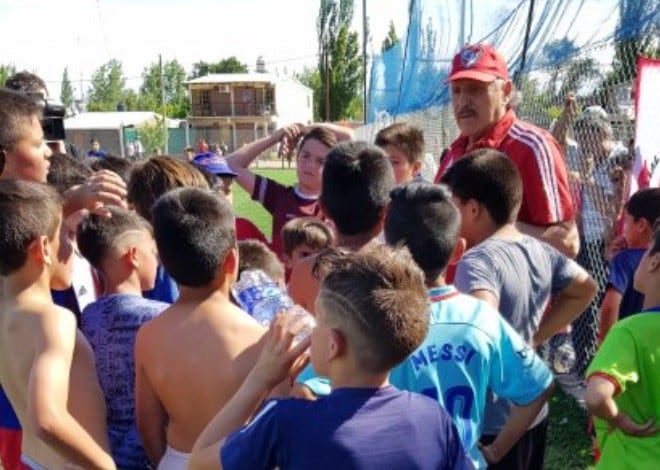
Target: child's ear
(40,250)
(459,251)
(229,265)
(131,257)
(416,167)
(337,344)
(654,262)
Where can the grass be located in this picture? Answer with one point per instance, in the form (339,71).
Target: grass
(246,207)
(568,445)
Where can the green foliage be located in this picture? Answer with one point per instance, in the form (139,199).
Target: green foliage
(6,71)
(174,91)
(66,90)
(107,88)
(391,40)
(152,135)
(228,65)
(340,63)
(312,78)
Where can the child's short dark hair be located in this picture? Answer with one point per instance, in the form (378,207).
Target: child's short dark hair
(254,254)
(65,172)
(490,178)
(357,179)
(97,234)
(194,229)
(319,133)
(16,113)
(422,217)
(377,299)
(644,204)
(409,139)
(119,165)
(28,210)
(153,178)
(309,231)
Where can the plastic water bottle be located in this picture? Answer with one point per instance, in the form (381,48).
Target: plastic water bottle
(260,296)
(564,356)
(303,319)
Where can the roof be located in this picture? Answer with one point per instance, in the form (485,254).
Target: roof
(217,78)
(214,78)
(113,120)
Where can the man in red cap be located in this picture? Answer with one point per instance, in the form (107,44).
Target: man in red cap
(481,93)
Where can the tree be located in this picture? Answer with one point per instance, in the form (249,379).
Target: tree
(174,91)
(390,40)
(340,64)
(107,88)
(6,71)
(66,90)
(228,65)
(152,135)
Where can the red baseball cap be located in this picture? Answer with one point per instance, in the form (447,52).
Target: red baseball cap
(478,62)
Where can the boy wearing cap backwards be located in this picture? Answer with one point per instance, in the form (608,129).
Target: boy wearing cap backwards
(220,176)
(623,380)
(371,313)
(482,95)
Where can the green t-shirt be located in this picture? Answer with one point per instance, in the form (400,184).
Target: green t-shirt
(630,356)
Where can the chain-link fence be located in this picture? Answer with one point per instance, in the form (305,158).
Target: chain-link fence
(587,103)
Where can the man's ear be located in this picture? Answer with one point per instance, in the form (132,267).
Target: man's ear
(459,250)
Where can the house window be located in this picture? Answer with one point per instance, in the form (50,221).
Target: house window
(204,98)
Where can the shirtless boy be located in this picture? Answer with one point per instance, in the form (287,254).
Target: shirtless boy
(46,366)
(192,358)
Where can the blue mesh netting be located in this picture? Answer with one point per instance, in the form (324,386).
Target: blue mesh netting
(409,77)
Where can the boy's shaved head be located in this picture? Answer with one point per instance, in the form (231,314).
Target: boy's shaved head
(377,299)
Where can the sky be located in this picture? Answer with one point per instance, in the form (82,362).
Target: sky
(46,36)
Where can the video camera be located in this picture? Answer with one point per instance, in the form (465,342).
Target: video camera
(53,117)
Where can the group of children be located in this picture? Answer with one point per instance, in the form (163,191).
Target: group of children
(164,369)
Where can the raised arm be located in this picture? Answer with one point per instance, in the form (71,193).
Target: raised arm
(240,160)
(48,394)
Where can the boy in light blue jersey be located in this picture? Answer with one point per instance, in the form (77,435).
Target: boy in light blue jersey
(470,348)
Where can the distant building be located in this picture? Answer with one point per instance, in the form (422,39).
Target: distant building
(238,108)
(109,128)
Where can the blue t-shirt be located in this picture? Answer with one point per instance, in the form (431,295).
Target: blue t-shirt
(622,272)
(110,325)
(165,288)
(469,349)
(352,428)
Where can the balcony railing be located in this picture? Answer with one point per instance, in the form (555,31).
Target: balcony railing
(240,109)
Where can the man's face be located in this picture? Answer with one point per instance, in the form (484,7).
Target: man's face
(96,146)
(478,105)
(27,158)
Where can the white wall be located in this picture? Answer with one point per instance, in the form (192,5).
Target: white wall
(293,102)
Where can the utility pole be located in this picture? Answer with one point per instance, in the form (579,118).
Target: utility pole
(162,103)
(327,83)
(364,62)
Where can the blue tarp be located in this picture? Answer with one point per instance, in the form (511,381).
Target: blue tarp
(409,77)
